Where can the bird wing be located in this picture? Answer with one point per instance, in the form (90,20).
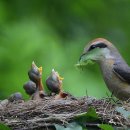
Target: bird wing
(122,71)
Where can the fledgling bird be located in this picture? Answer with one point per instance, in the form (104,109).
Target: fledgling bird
(30,87)
(115,70)
(16,97)
(35,75)
(54,84)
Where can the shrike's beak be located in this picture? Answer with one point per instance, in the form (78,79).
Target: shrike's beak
(89,57)
(81,57)
(84,60)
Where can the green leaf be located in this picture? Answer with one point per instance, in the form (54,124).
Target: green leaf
(80,65)
(70,126)
(90,115)
(4,127)
(105,127)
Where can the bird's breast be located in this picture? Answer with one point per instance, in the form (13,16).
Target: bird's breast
(118,87)
(106,68)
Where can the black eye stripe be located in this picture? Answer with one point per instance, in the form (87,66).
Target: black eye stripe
(100,45)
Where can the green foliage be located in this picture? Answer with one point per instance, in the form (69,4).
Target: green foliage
(83,65)
(90,116)
(4,127)
(106,127)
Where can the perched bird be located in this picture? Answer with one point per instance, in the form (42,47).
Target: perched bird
(115,70)
(30,87)
(54,82)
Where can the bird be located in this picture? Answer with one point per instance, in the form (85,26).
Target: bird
(35,75)
(15,97)
(115,70)
(30,87)
(54,82)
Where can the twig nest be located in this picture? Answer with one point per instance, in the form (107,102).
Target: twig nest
(42,94)
(38,95)
(45,113)
(3,103)
(61,95)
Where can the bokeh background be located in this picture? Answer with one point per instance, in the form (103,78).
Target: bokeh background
(53,33)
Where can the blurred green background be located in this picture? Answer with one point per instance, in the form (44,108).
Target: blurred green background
(53,33)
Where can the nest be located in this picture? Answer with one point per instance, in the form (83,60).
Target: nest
(45,113)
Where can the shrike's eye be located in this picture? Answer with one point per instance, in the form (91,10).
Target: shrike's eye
(99,45)
(92,47)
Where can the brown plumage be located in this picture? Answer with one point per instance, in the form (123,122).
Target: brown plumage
(115,71)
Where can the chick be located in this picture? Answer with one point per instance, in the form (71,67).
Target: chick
(35,75)
(115,70)
(30,87)
(15,97)
(54,82)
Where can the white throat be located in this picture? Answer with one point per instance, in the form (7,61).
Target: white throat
(107,54)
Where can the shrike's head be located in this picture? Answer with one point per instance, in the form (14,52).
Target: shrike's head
(98,50)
